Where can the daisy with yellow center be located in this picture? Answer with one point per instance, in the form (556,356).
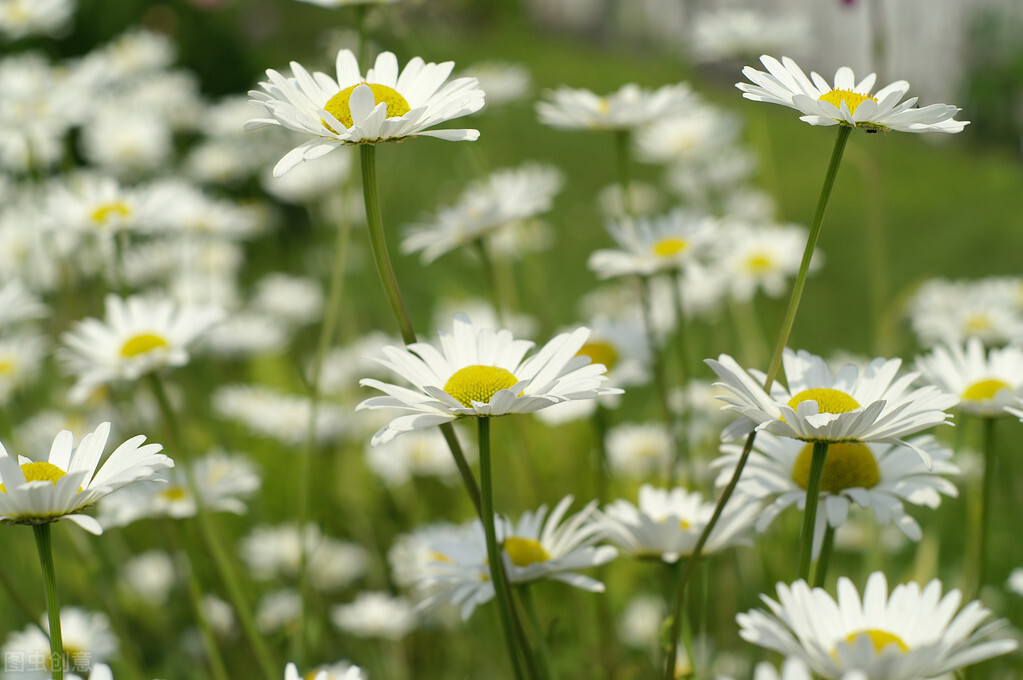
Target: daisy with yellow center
(650,245)
(482,373)
(874,404)
(986,381)
(877,477)
(908,633)
(383,105)
(71,480)
(628,108)
(847,102)
(137,336)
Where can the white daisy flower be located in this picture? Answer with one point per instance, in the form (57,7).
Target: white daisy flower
(310,182)
(375,615)
(795,668)
(985,381)
(507,196)
(278,610)
(639,624)
(21,356)
(283,417)
(875,476)
(638,450)
(18,304)
(649,245)
(385,105)
(20,18)
(482,373)
(347,671)
(853,406)
(761,258)
(991,309)
(148,577)
(137,336)
(68,482)
(847,103)
(88,641)
(691,135)
(503,82)
(1014,584)
(910,633)
(126,141)
(667,523)
(420,454)
(628,108)
(297,300)
(272,552)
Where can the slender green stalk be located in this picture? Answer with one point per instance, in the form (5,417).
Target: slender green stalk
(986,492)
(772,373)
(501,592)
(821,573)
(44,545)
(813,495)
(548,669)
(660,377)
(378,243)
(214,544)
(482,247)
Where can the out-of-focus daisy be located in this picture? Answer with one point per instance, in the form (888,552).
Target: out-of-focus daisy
(656,244)
(1015,581)
(626,109)
(639,624)
(849,102)
(505,197)
(420,454)
(761,258)
(272,552)
(20,18)
(853,406)
(348,3)
(952,311)
(88,641)
(667,523)
(307,183)
(21,356)
(794,668)
(383,106)
(18,304)
(68,481)
(293,299)
(875,476)
(638,450)
(482,373)
(188,210)
(503,82)
(245,333)
(909,633)
(732,32)
(985,381)
(125,141)
(97,204)
(375,615)
(690,135)
(37,110)
(220,479)
(283,417)
(707,182)
(149,577)
(138,336)
(340,671)
(644,199)
(278,610)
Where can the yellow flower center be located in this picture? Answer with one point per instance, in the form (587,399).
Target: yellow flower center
(849,465)
(108,211)
(174,493)
(985,390)
(975,324)
(142,343)
(828,400)
(600,352)
(7,365)
(880,638)
(759,263)
(478,383)
(670,245)
(40,472)
(525,551)
(337,106)
(852,99)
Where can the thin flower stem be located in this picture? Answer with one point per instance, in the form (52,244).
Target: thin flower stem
(44,545)
(501,593)
(821,572)
(549,671)
(813,496)
(378,243)
(772,373)
(214,544)
(987,489)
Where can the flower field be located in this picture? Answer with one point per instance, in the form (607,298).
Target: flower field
(347,339)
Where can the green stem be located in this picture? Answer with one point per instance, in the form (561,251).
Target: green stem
(987,489)
(549,672)
(623,149)
(501,592)
(772,373)
(492,281)
(378,244)
(214,545)
(813,495)
(44,545)
(827,546)
(660,377)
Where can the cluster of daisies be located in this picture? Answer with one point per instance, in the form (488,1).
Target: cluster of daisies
(127,282)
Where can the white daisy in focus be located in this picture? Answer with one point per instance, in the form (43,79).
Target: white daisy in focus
(385,105)
(985,381)
(506,197)
(626,109)
(482,373)
(375,615)
(138,336)
(650,245)
(88,641)
(873,476)
(68,481)
(909,633)
(853,406)
(666,523)
(849,102)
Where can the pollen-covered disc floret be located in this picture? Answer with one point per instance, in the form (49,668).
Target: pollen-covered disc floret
(874,476)
(846,102)
(874,404)
(481,372)
(911,632)
(383,105)
(986,381)
(68,482)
